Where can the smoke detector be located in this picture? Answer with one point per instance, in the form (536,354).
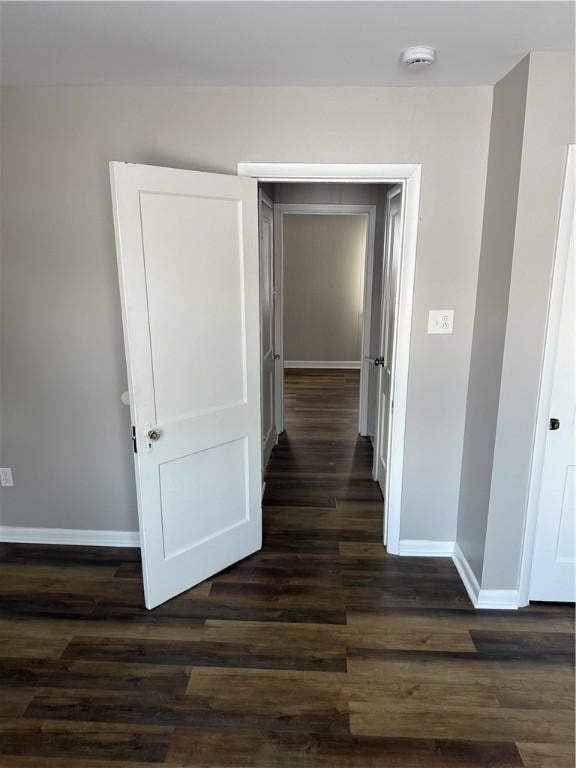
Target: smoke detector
(418,56)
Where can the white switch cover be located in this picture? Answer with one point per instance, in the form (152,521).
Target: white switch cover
(6,478)
(440,321)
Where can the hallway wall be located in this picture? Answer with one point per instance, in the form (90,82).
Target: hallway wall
(532,125)
(324,259)
(548,129)
(494,274)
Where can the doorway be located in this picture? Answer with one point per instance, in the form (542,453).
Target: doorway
(188,258)
(300,322)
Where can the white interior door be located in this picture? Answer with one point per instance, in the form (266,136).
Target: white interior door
(269,435)
(187,246)
(278,321)
(554,558)
(385,362)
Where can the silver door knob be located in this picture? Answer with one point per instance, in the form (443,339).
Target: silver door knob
(154,434)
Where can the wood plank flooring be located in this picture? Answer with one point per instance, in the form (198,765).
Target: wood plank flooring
(319,651)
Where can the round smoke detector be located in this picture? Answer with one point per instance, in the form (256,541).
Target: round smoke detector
(418,56)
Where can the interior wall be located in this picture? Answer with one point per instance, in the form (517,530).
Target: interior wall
(324,258)
(505,153)
(326,194)
(65,431)
(548,129)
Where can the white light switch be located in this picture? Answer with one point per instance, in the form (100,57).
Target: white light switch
(6,478)
(440,320)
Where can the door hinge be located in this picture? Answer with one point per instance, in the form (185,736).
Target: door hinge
(134,444)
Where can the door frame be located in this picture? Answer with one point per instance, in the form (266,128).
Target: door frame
(264,199)
(408,175)
(562,254)
(333,209)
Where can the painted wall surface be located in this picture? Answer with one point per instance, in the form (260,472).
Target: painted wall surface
(507,127)
(327,194)
(65,431)
(323,286)
(548,129)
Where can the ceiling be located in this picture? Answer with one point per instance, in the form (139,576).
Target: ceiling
(274,43)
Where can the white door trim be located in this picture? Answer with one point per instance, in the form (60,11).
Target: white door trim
(343,209)
(562,254)
(409,175)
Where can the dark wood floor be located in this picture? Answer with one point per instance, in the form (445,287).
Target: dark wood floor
(321,650)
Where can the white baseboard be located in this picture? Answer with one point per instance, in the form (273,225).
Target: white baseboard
(466,574)
(498,599)
(354,364)
(484,599)
(23,535)
(423,548)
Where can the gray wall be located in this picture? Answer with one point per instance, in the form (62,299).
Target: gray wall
(327,194)
(324,258)
(532,125)
(548,129)
(65,432)
(495,268)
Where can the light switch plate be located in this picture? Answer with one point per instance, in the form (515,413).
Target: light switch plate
(6,479)
(440,321)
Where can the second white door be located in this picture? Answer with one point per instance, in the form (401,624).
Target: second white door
(554,560)
(267,329)
(385,384)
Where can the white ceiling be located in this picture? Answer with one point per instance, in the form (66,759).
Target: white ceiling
(273,43)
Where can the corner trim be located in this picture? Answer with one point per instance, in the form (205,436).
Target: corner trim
(423,548)
(24,535)
(334,364)
(498,599)
(484,599)
(466,574)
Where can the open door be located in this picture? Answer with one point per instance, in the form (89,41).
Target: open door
(267,300)
(385,363)
(278,322)
(187,246)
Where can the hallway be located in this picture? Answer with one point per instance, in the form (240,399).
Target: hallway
(319,650)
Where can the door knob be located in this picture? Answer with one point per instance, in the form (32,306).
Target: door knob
(554,423)
(276,356)
(378,361)
(153,435)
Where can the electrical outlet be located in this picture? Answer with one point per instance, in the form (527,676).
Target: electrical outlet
(6,479)
(440,321)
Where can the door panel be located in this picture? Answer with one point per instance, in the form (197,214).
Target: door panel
(390,285)
(187,248)
(208,286)
(554,558)
(269,435)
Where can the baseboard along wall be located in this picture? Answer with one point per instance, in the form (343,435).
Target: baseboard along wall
(80,537)
(482,599)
